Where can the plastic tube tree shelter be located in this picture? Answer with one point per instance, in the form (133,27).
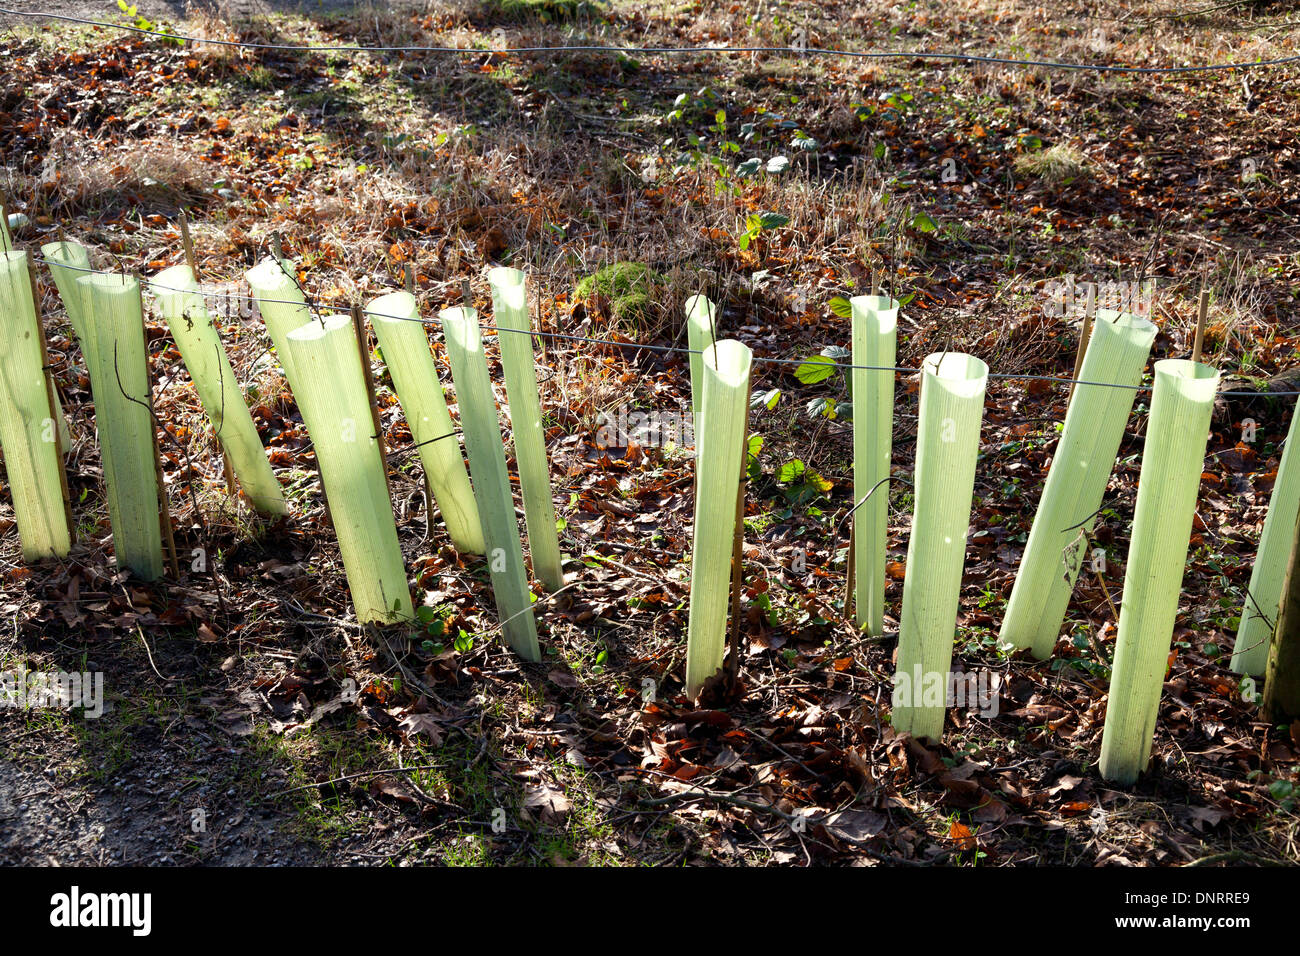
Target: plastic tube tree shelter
(1267,577)
(405,345)
(947,447)
(487,466)
(60,419)
(119,379)
(1117,351)
(875,333)
(510,311)
(1177,433)
(725,406)
(283,306)
(209,367)
(29,434)
(701,318)
(332,397)
(68,262)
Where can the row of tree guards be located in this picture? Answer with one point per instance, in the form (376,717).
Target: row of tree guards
(327,363)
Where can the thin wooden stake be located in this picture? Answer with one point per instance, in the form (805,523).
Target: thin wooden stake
(428,506)
(1085,336)
(50,396)
(164,507)
(184,222)
(849,588)
(1281,701)
(1202,313)
(537,304)
(324,498)
(367,373)
(408,275)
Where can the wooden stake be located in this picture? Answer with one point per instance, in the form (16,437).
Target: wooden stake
(367,373)
(183,221)
(164,507)
(55,412)
(537,304)
(1085,335)
(1282,674)
(850,586)
(408,274)
(324,498)
(1202,312)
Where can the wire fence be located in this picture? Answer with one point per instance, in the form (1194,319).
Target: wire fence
(820,361)
(967,58)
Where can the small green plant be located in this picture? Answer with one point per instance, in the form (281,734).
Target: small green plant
(164,34)
(800,484)
(1285,793)
(756,223)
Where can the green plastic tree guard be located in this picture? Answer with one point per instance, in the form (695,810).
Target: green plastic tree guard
(701,318)
(200,346)
(283,306)
(119,378)
(947,447)
(1177,433)
(487,466)
(724,399)
(28,434)
(1085,457)
(68,262)
(1267,577)
(60,418)
(405,345)
(332,397)
(510,311)
(875,333)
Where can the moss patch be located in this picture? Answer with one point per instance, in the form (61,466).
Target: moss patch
(628,288)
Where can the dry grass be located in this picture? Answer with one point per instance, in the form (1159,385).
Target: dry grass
(1058,165)
(152,178)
